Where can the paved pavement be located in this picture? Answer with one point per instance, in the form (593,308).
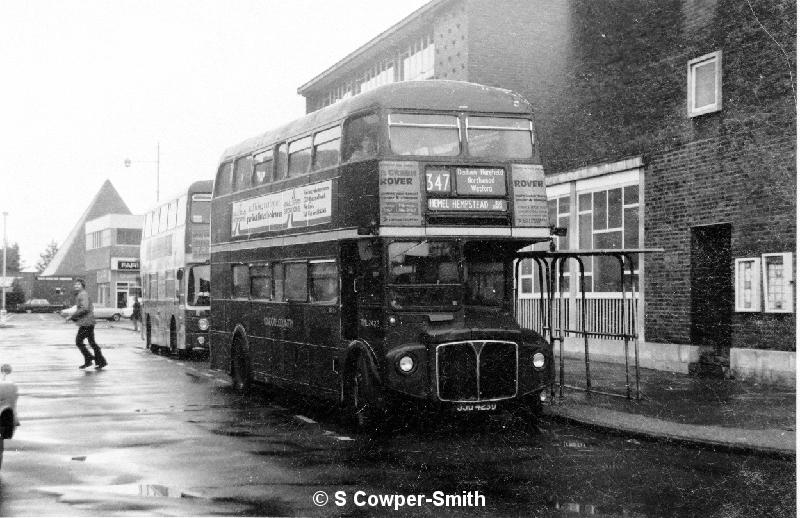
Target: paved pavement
(722,414)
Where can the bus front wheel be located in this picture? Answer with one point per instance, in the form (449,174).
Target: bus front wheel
(363,408)
(240,368)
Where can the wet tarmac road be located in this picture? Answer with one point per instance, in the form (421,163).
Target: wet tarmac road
(155,436)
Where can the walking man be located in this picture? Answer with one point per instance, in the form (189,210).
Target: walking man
(84,319)
(136,315)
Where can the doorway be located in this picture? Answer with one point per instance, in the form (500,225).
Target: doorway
(712,287)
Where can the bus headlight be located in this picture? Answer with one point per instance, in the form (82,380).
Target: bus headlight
(538,360)
(203,324)
(405,364)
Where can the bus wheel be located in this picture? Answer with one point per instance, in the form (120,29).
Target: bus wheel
(240,368)
(363,408)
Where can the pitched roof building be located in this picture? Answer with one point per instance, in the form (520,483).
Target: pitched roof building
(70,260)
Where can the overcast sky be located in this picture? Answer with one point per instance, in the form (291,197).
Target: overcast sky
(88,83)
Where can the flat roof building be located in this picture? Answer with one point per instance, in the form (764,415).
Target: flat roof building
(662,125)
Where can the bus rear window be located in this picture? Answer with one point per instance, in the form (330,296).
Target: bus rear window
(201,208)
(424,135)
(499,137)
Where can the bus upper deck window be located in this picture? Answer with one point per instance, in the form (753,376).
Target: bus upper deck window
(424,135)
(299,156)
(223,183)
(282,160)
(242,173)
(361,138)
(499,137)
(262,172)
(326,147)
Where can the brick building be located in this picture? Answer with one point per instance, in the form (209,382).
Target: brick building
(663,124)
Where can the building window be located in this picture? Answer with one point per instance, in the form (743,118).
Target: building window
(418,59)
(129,236)
(607,219)
(704,84)
(777,280)
(378,75)
(748,285)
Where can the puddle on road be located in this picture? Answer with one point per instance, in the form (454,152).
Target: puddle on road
(160,490)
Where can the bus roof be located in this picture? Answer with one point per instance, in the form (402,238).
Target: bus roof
(194,187)
(433,94)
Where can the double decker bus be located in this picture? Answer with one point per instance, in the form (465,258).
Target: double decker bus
(175,270)
(366,252)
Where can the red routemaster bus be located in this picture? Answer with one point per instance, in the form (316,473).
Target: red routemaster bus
(176,273)
(365,252)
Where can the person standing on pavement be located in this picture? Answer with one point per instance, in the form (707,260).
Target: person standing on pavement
(84,319)
(136,315)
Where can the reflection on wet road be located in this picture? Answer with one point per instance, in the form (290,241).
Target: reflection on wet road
(154,436)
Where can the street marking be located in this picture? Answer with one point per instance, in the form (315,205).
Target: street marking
(345,438)
(305,419)
(208,375)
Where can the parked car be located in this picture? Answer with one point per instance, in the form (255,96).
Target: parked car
(101,312)
(8,408)
(38,306)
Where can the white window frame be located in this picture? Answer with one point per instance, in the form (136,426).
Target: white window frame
(787,302)
(755,288)
(691,67)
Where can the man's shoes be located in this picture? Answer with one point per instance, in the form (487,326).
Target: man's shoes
(100,364)
(87,364)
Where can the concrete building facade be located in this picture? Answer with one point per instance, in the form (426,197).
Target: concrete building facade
(662,124)
(112,259)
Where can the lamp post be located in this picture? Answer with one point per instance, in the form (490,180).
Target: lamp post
(5,247)
(157,161)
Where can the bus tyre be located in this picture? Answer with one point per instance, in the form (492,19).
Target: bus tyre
(363,410)
(240,369)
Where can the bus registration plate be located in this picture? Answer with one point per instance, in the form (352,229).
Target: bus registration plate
(476,407)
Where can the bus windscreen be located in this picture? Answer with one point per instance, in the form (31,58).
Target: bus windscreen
(199,286)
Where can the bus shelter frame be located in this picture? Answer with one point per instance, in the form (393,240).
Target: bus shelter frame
(550,264)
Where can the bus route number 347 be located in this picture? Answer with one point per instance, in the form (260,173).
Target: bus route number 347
(438,181)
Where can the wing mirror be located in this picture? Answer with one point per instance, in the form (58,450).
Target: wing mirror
(6,370)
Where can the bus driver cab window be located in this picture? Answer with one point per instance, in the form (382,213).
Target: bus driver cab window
(361,138)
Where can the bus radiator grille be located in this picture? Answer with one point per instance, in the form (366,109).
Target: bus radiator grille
(476,370)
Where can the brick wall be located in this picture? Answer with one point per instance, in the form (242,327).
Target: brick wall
(607,79)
